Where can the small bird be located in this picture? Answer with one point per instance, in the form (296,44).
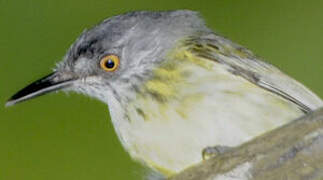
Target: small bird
(174,87)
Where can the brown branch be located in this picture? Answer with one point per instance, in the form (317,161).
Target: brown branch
(291,152)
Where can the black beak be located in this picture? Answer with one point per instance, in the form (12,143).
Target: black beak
(40,87)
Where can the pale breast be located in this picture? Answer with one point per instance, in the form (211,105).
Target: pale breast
(183,110)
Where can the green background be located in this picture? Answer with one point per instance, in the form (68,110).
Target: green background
(61,136)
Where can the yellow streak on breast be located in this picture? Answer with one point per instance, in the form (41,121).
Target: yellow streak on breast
(178,81)
(160,88)
(187,103)
(168,75)
(186,55)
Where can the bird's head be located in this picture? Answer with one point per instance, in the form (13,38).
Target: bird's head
(112,58)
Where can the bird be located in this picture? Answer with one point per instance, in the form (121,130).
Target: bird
(174,87)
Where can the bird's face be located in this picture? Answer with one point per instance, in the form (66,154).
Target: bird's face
(115,56)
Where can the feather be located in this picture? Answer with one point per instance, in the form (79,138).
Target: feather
(240,61)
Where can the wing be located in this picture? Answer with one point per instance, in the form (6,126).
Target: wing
(240,61)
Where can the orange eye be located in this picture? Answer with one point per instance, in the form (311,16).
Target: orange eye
(110,63)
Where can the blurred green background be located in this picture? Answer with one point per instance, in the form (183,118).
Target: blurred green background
(69,137)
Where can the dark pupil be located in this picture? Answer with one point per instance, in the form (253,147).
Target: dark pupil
(109,64)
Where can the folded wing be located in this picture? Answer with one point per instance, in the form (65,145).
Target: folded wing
(241,62)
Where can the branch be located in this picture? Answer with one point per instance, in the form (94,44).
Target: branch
(293,151)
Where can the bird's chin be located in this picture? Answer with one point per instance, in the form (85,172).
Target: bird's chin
(91,87)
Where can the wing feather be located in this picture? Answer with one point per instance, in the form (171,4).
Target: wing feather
(242,62)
